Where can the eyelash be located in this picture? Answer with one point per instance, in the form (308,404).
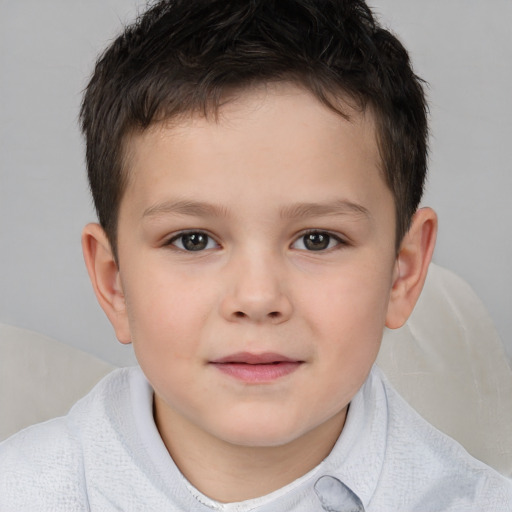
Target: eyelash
(330,237)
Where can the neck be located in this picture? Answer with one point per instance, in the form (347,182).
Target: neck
(229,473)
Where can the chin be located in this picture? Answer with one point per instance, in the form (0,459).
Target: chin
(258,434)
(261,440)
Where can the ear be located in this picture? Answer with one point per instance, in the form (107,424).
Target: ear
(105,279)
(411,267)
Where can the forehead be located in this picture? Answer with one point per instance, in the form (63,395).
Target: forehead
(276,133)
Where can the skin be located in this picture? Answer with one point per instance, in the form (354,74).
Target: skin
(274,167)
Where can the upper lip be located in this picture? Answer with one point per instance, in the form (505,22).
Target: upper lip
(251,358)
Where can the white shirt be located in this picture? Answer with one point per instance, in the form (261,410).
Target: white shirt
(107,455)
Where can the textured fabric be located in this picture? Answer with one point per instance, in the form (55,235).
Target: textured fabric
(106,455)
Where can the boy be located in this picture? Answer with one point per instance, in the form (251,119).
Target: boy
(257,168)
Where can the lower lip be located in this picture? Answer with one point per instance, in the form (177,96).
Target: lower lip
(258,373)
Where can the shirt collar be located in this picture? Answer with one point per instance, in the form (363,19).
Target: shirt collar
(358,456)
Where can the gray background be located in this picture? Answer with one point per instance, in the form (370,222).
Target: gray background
(463,48)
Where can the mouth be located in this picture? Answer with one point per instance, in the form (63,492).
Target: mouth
(256,368)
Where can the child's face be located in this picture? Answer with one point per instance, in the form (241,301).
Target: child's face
(264,237)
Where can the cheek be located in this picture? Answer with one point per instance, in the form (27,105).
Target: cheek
(349,316)
(357,298)
(347,322)
(166,314)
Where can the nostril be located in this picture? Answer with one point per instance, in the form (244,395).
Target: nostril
(241,314)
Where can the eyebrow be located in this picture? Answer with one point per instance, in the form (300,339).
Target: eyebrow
(339,207)
(185,207)
(293,211)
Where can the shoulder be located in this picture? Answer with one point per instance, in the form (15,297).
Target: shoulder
(430,466)
(42,467)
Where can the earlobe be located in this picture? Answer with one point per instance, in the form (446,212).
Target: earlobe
(105,278)
(411,266)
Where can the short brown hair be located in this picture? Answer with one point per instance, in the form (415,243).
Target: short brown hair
(184,56)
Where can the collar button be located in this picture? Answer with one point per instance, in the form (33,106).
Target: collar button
(335,496)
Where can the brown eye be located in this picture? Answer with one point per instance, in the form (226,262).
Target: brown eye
(316,241)
(193,241)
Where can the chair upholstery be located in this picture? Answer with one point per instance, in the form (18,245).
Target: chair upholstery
(41,378)
(447,362)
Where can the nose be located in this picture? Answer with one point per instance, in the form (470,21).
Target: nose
(255,291)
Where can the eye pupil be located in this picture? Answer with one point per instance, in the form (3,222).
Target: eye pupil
(316,241)
(194,241)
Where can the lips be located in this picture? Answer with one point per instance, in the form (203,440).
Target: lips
(256,368)
(250,358)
